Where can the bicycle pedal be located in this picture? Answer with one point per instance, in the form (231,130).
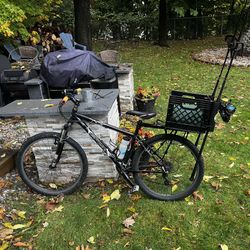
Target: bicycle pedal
(134,189)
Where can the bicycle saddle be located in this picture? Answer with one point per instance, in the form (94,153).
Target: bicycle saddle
(143,115)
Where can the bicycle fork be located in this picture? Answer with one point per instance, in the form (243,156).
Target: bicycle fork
(60,145)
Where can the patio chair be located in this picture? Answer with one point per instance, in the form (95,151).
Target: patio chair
(69,43)
(22,53)
(13,53)
(109,56)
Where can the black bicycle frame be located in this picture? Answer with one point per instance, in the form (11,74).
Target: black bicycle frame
(82,120)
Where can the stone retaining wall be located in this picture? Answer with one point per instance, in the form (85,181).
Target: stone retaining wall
(100,166)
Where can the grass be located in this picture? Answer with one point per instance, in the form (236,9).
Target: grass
(220,218)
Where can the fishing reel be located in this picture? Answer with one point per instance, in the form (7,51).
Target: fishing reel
(226,110)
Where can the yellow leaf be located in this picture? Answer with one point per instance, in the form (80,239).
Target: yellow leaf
(106,198)
(21,214)
(49,105)
(103,205)
(153,177)
(206,178)
(131,209)
(91,240)
(17,226)
(166,229)
(115,195)
(58,209)
(4,246)
(223,247)
(232,158)
(108,212)
(174,188)
(53,185)
(109,181)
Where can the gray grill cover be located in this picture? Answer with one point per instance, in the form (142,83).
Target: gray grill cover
(65,68)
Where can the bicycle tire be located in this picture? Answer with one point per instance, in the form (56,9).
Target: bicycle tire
(65,178)
(147,167)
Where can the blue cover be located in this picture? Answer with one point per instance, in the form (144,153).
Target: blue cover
(66,68)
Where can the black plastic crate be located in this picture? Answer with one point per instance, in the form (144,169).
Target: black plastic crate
(191,112)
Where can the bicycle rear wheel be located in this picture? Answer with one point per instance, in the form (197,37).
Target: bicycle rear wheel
(169,168)
(35,164)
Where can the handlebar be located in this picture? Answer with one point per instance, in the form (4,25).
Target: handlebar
(69,94)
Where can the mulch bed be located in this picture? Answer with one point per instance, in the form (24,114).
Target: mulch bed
(217,56)
(13,131)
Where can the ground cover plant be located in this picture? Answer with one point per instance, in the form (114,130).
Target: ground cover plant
(103,216)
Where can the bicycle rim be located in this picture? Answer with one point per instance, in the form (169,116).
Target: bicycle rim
(163,170)
(35,165)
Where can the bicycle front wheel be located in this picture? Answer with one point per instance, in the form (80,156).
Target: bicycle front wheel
(168,167)
(35,163)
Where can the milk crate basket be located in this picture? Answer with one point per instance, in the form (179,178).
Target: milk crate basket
(191,112)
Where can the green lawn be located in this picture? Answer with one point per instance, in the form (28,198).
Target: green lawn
(222,217)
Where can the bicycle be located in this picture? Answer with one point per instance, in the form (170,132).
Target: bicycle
(165,167)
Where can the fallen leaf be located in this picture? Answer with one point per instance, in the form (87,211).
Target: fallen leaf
(49,105)
(223,247)
(108,212)
(5,232)
(91,240)
(220,125)
(21,244)
(3,155)
(127,244)
(247,192)
(231,165)
(2,212)
(232,158)
(86,196)
(109,181)
(129,222)
(216,185)
(131,209)
(21,214)
(53,185)
(103,205)
(106,198)
(127,231)
(206,178)
(135,197)
(197,196)
(58,209)
(166,229)
(19,103)
(71,243)
(17,226)
(222,177)
(4,245)
(174,188)
(219,202)
(45,224)
(115,195)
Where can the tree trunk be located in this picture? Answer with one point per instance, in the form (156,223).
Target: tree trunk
(82,22)
(162,28)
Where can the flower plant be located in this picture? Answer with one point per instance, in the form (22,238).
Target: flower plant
(129,123)
(147,93)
